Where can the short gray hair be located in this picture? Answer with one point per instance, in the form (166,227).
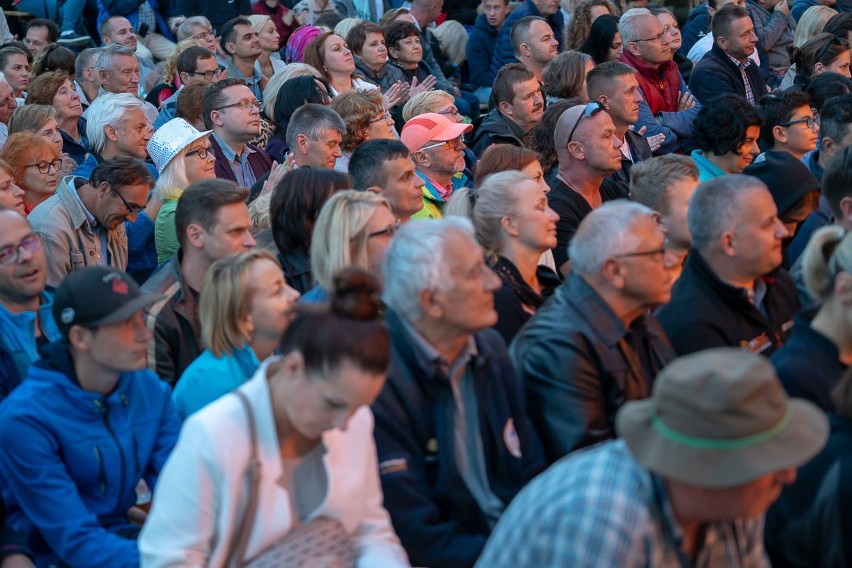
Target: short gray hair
(605,233)
(416,261)
(715,207)
(312,120)
(627,23)
(184,28)
(86,59)
(108,109)
(108,53)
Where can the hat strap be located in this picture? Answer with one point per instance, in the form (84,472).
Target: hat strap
(717,444)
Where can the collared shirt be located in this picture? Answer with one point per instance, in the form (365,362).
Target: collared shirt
(467,449)
(99,230)
(252,82)
(600,507)
(239,164)
(742,67)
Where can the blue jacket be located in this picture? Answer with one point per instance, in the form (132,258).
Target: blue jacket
(503,53)
(209,378)
(17,339)
(433,512)
(130,10)
(71,459)
(677,126)
(480,51)
(697,26)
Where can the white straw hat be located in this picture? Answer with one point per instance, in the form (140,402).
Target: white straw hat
(170,139)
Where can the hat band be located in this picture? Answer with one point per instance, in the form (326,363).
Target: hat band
(716,444)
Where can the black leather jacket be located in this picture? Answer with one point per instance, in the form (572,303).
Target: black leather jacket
(580,364)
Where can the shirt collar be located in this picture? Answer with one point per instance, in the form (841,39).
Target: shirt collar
(739,63)
(89,217)
(229,153)
(429,356)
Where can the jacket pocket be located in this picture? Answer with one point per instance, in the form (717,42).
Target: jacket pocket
(78,260)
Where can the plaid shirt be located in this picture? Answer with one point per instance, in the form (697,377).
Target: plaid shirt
(742,67)
(599,508)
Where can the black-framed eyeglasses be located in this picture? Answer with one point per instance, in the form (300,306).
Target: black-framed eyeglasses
(386,116)
(808,121)
(832,41)
(200,152)
(660,251)
(390,230)
(10,254)
(242,105)
(591,110)
(44,167)
(132,208)
(210,75)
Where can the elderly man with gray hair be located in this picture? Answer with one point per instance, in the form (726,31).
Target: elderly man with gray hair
(8,104)
(667,106)
(594,345)
(119,72)
(733,291)
(454,442)
(313,136)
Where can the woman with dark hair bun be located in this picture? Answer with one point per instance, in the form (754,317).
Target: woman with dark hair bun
(297,439)
(823,53)
(604,41)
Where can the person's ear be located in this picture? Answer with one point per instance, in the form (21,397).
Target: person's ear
(612,272)
(230,48)
(111,133)
(505,108)
(195,235)
(302,143)
(80,338)
(102,74)
(421,159)
(525,50)
(728,243)
(510,226)
(216,118)
(604,101)
(430,304)
(184,77)
(846,209)
(780,134)
(632,47)
(103,189)
(818,68)
(576,150)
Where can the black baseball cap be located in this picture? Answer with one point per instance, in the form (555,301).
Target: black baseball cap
(96,296)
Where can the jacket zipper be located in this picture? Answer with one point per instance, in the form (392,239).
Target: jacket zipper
(105,415)
(101,472)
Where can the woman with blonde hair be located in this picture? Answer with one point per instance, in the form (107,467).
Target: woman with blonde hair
(515,226)
(365,118)
(269,45)
(819,351)
(284,469)
(354,229)
(182,156)
(245,307)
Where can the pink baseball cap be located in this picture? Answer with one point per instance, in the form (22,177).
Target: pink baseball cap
(424,128)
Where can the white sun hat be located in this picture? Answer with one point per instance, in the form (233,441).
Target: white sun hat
(170,139)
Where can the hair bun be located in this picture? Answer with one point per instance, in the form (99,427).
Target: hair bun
(356,295)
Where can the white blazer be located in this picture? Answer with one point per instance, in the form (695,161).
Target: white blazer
(203,488)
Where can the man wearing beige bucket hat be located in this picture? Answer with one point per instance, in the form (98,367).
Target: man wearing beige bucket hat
(698,465)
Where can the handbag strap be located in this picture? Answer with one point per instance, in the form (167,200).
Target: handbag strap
(246,524)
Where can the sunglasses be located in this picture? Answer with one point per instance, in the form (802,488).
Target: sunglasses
(591,110)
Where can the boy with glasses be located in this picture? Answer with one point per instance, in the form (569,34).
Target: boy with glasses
(790,123)
(83,223)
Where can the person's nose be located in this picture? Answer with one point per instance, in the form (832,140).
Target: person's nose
(781,231)
(249,241)
(616,143)
(492,281)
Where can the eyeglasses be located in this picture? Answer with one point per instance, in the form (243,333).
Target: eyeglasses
(132,208)
(657,37)
(208,34)
(390,230)
(452,111)
(200,152)
(386,116)
(44,167)
(832,41)
(210,75)
(808,121)
(660,251)
(10,254)
(243,105)
(591,110)
(451,144)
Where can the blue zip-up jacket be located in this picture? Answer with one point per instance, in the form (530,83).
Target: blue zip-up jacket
(130,10)
(435,515)
(697,26)
(503,53)
(71,459)
(480,51)
(17,338)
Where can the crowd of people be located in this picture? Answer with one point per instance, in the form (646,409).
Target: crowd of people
(481,283)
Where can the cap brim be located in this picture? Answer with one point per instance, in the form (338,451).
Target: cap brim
(802,439)
(127,311)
